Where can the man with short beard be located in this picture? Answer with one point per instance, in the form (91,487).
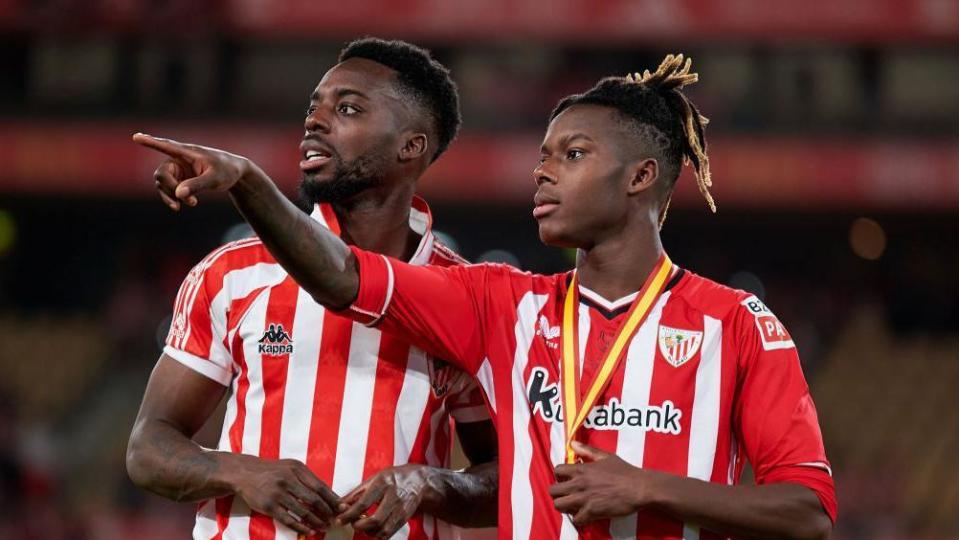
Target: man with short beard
(317,404)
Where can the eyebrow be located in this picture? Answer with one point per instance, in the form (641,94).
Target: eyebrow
(566,139)
(341,92)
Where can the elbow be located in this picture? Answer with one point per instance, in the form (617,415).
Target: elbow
(817,527)
(138,466)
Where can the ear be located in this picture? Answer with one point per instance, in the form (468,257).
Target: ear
(644,175)
(415,146)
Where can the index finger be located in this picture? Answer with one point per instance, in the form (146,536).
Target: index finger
(169,147)
(355,512)
(311,481)
(566,470)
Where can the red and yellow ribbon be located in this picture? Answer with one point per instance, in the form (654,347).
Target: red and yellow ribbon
(576,410)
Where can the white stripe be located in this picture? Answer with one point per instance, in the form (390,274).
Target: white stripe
(485,377)
(704,423)
(816,465)
(252,329)
(301,378)
(584,325)
(439,423)
(357,408)
(637,382)
(229,418)
(205,526)
(521,490)
(557,451)
(389,285)
(238,524)
(608,305)
(410,406)
(201,277)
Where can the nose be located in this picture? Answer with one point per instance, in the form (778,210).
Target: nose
(317,120)
(542,173)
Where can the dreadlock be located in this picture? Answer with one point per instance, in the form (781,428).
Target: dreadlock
(659,112)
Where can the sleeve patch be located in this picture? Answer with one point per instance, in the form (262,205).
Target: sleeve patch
(774,335)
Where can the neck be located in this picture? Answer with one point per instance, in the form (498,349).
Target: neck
(378,220)
(619,265)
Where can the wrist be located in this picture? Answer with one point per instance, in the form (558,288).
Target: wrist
(435,486)
(227,471)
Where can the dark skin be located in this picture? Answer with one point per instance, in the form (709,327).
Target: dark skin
(356,115)
(607,199)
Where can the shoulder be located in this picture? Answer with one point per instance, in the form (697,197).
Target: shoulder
(711,298)
(246,259)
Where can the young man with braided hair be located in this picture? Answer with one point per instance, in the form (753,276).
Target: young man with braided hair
(628,392)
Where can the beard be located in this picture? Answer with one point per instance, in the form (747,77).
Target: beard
(348,180)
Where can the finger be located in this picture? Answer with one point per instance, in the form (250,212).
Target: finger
(357,509)
(589,453)
(169,147)
(583,516)
(373,525)
(167,200)
(354,495)
(285,517)
(313,500)
(567,471)
(304,514)
(569,504)
(561,489)
(188,188)
(310,480)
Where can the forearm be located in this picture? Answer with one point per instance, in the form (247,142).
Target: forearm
(163,460)
(466,498)
(768,511)
(316,258)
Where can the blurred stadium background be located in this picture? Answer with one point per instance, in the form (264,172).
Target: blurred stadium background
(835,153)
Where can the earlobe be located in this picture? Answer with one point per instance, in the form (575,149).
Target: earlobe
(416,146)
(644,176)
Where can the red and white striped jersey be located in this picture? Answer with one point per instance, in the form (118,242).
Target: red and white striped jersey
(310,385)
(709,379)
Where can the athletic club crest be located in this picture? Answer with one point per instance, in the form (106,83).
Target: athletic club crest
(678,346)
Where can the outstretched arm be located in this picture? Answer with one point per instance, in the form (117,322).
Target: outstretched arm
(316,258)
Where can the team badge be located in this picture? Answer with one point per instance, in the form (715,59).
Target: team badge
(678,346)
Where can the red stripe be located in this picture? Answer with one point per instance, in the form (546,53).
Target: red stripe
(327,405)
(330,217)
(223,507)
(390,372)
(242,386)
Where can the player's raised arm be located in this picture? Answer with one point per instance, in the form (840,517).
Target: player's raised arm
(319,261)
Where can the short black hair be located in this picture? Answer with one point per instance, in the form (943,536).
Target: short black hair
(654,108)
(421,77)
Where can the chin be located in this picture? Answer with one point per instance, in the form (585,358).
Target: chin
(553,237)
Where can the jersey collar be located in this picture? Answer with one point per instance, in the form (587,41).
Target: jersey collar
(421,222)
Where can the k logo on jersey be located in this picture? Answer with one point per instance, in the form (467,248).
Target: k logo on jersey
(275,341)
(677,345)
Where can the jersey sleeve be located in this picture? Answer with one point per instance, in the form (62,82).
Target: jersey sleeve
(440,310)
(198,328)
(775,416)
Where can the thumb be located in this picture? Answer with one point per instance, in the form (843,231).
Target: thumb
(589,453)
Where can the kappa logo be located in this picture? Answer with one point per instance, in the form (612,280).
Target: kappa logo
(548,332)
(678,346)
(178,329)
(772,332)
(275,341)
(544,400)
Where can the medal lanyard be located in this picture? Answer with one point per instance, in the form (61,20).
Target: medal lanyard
(575,410)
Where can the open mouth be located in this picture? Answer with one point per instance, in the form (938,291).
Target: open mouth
(314,159)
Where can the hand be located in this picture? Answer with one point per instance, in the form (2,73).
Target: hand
(284,489)
(192,169)
(603,486)
(397,493)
